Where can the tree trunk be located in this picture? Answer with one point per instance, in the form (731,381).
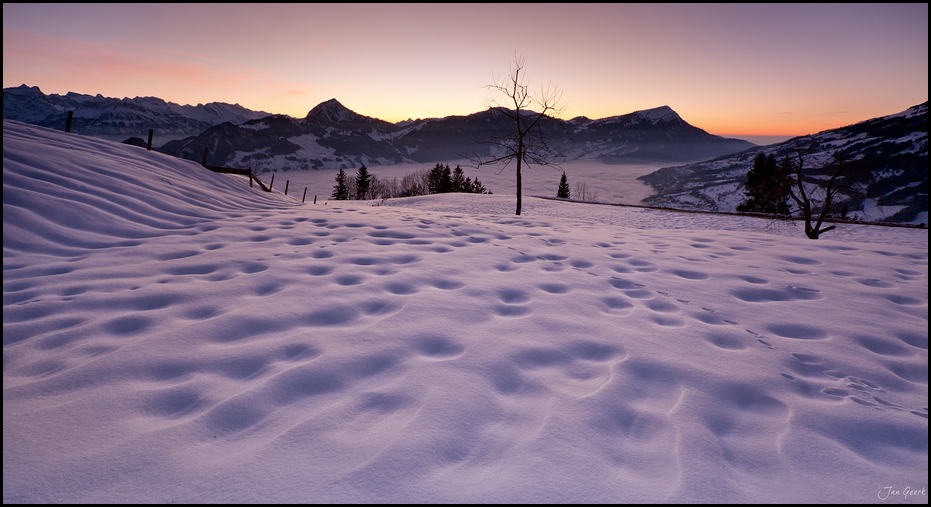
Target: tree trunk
(518,185)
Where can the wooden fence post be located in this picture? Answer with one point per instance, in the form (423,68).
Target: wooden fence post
(68,125)
(250,177)
(315,199)
(286,183)
(305,195)
(272,184)
(204,163)
(151,133)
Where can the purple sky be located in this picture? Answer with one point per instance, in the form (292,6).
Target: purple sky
(779,70)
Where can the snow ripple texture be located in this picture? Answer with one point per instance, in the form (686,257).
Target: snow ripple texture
(171,335)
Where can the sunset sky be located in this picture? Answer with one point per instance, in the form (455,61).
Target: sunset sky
(735,70)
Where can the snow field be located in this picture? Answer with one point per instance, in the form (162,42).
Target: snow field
(172,335)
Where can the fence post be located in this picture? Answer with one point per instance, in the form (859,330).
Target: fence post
(250,177)
(305,195)
(68,125)
(204,163)
(272,184)
(286,183)
(151,133)
(315,199)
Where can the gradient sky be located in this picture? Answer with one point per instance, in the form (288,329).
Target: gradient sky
(736,70)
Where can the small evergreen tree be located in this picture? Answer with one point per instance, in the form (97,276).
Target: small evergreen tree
(363,181)
(478,188)
(753,179)
(446,180)
(340,191)
(440,179)
(766,188)
(563,191)
(457,184)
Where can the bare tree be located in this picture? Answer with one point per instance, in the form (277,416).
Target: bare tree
(818,200)
(527,143)
(583,193)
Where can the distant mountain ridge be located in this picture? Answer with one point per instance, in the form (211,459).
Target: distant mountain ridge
(657,134)
(893,147)
(332,136)
(117,119)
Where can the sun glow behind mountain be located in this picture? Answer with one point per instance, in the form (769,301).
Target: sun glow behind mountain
(773,70)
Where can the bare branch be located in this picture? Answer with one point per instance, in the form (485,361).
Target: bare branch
(527,142)
(815,207)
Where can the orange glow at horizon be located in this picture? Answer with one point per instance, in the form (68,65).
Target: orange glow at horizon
(750,70)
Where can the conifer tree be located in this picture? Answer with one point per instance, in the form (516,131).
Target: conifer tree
(753,179)
(363,180)
(457,184)
(478,188)
(563,191)
(446,181)
(766,190)
(440,179)
(340,192)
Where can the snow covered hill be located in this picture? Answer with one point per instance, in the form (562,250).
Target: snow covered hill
(172,335)
(894,148)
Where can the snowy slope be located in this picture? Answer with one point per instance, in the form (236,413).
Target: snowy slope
(171,335)
(893,148)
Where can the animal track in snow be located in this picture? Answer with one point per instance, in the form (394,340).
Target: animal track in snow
(759,295)
(690,275)
(726,341)
(797,331)
(438,348)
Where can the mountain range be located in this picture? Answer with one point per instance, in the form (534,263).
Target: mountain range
(332,136)
(117,119)
(894,149)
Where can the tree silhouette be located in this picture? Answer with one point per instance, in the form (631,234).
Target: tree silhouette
(766,190)
(563,190)
(340,191)
(820,197)
(583,193)
(527,143)
(457,184)
(476,187)
(363,182)
(440,180)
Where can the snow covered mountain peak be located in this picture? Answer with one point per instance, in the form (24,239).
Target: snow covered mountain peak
(23,89)
(331,111)
(117,119)
(655,116)
(662,113)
